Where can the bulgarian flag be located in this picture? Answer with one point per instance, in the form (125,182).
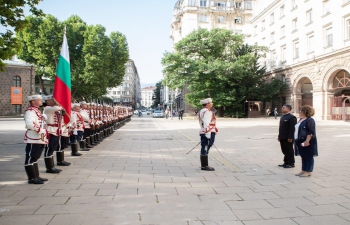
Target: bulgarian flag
(62,87)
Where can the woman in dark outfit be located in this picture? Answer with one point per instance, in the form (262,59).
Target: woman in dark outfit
(305,140)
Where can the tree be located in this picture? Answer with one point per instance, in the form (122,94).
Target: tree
(156,95)
(97,60)
(218,64)
(12,16)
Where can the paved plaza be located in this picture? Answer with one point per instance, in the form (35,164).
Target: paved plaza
(142,175)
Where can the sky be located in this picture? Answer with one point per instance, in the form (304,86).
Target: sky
(145,23)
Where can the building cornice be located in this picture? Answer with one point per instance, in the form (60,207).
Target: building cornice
(309,61)
(265,10)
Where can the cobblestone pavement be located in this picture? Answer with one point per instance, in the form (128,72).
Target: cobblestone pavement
(142,175)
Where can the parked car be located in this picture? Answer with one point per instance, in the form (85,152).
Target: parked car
(158,113)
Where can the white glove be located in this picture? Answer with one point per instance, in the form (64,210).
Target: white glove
(44,116)
(208,135)
(75,132)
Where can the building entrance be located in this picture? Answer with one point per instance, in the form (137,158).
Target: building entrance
(340,103)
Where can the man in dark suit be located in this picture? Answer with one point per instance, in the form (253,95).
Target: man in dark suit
(286,136)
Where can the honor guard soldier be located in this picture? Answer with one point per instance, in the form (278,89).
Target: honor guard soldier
(36,139)
(78,124)
(54,124)
(208,130)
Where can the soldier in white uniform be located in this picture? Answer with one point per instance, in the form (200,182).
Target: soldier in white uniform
(54,127)
(208,130)
(85,113)
(36,139)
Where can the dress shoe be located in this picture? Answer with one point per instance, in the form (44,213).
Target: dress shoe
(76,154)
(299,174)
(35,181)
(306,174)
(63,163)
(208,168)
(282,165)
(53,170)
(289,166)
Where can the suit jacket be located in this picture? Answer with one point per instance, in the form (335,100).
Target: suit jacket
(287,127)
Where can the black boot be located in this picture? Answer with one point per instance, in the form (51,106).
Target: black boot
(75,147)
(88,142)
(82,145)
(50,165)
(204,163)
(60,159)
(30,170)
(36,167)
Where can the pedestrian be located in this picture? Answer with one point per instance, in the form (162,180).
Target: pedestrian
(181,112)
(268,112)
(196,113)
(306,140)
(35,138)
(275,113)
(208,130)
(286,136)
(166,113)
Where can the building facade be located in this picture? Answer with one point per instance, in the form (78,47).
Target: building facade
(308,42)
(147,96)
(129,92)
(17,82)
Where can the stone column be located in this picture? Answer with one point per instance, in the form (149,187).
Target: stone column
(318,104)
(326,104)
(297,98)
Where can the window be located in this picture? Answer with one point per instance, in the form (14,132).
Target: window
(326,7)
(203,3)
(127,78)
(238,5)
(221,19)
(309,16)
(16,81)
(283,31)
(296,49)
(248,4)
(17,109)
(220,5)
(263,25)
(203,18)
(295,24)
(329,37)
(114,92)
(282,11)
(310,43)
(272,18)
(238,20)
(284,78)
(283,54)
(272,37)
(118,92)
(347,28)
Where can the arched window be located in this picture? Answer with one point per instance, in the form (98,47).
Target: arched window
(341,80)
(16,81)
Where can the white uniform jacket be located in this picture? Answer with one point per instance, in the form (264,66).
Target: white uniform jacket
(85,113)
(36,132)
(207,121)
(53,119)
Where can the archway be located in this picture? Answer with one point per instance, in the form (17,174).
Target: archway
(304,93)
(339,105)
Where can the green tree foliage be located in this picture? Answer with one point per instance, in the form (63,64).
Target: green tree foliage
(218,64)
(12,18)
(156,95)
(97,60)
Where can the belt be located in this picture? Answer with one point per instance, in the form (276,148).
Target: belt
(52,125)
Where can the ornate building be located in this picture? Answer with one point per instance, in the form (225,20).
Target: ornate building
(308,41)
